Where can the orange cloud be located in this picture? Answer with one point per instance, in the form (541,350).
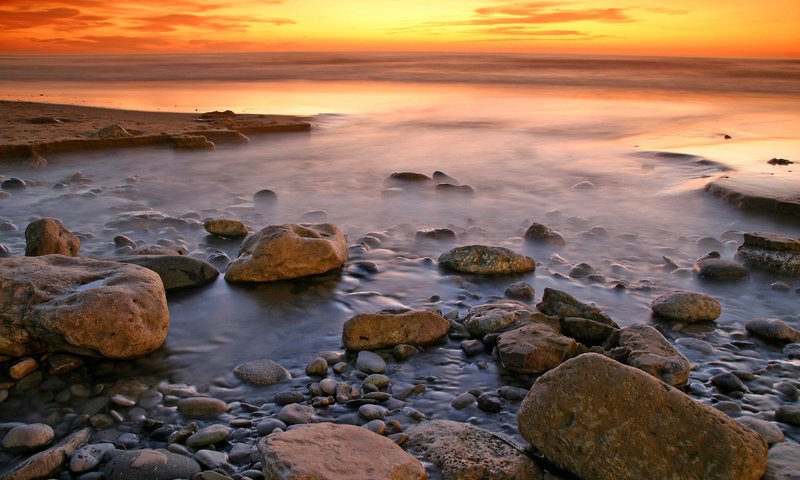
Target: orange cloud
(540,13)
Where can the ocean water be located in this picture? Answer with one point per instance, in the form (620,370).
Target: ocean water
(522,131)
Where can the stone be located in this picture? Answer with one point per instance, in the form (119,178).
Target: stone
(535,348)
(783,462)
(225,228)
(408,178)
(13,183)
(281,252)
(265,197)
(61,363)
(372,412)
(563,305)
(89,456)
(582,270)
(79,305)
(489,402)
(202,407)
(285,398)
(455,189)
(327,451)
(387,328)
(686,306)
(191,142)
(520,291)
(294,414)
(788,414)
(463,401)
(540,233)
(317,367)
(370,362)
(262,372)
(588,332)
(464,452)
(23,368)
(597,418)
(150,464)
(502,316)
(772,252)
(208,436)
(175,271)
(769,431)
(650,352)
(792,350)
(773,330)
(29,437)
(486,260)
(211,458)
(268,425)
(771,241)
(438,234)
(48,236)
(472,347)
(719,269)
(47,463)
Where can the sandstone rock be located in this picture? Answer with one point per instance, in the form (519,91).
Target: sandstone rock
(772,252)
(225,228)
(502,316)
(563,305)
(544,234)
(600,419)
(650,352)
(327,451)
(150,465)
(783,462)
(485,260)
(47,463)
(89,307)
(369,331)
(719,269)
(202,407)
(47,236)
(535,348)
(464,452)
(520,291)
(280,252)
(175,271)
(262,372)
(686,306)
(588,332)
(772,329)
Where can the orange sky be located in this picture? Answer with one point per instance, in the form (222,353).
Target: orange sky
(747,28)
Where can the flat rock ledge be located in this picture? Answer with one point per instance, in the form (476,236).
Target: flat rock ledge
(387,328)
(761,193)
(486,260)
(772,252)
(328,451)
(79,305)
(603,420)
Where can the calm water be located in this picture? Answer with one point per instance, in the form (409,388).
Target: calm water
(520,130)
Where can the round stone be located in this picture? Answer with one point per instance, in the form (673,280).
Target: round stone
(202,407)
(317,367)
(294,414)
(262,372)
(24,438)
(370,362)
(372,412)
(686,306)
(208,436)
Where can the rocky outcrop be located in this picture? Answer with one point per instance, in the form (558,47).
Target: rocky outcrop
(368,331)
(686,306)
(327,451)
(502,316)
(90,307)
(650,352)
(603,420)
(772,252)
(175,271)
(281,252)
(535,348)
(48,236)
(762,193)
(485,260)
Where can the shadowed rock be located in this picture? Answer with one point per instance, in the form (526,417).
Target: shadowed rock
(150,465)
(563,305)
(538,232)
(650,352)
(48,463)
(368,331)
(176,271)
(502,316)
(48,236)
(485,260)
(535,348)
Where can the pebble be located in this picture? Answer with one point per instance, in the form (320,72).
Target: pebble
(240,453)
(372,412)
(489,402)
(379,381)
(332,357)
(463,401)
(122,401)
(208,436)
(294,414)
(520,291)
(268,425)
(780,286)
(582,270)
(288,397)
(404,351)
(89,456)
(202,407)
(328,386)
(23,368)
(696,344)
(414,414)
(512,393)
(211,458)
(788,414)
(27,437)
(769,431)
(262,372)
(341,367)
(128,440)
(787,390)
(728,382)
(265,197)
(370,362)
(472,347)
(378,426)
(317,367)
(772,329)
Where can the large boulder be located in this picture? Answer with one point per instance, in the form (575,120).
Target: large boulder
(327,451)
(535,348)
(48,236)
(770,251)
(686,306)
(485,260)
(602,420)
(281,252)
(502,316)
(176,271)
(650,352)
(90,307)
(387,328)
(464,452)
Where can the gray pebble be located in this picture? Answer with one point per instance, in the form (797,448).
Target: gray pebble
(317,367)
(769,431)
(372,412)
(89,456)
(208,436)
(370,362)
(294,413)
(288,397)
(512,393)
(403,351)
(266,426)
(788,414)
(377,380)
(240,453)
(377,426)
(489,402)
(128,440)
(211,458)
(463,401)
(472,347)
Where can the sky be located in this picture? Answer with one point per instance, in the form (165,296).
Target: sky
(735,28)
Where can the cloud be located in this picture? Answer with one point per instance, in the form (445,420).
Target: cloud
(106,42)
(514,30)
(11,19)
(217,23)
(535,13)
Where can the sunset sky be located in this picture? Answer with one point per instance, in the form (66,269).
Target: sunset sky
(747,28)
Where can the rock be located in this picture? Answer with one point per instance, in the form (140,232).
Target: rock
(463,401)
(268,425)
(13,183)
(489,402)
(89,307)
(464,452)
(441,177)
(281,252)
(650,352)
(372,412)
(47,463)
(369,331)
(202,407)
(788,414)
(502,316)
(485,260)
(25,438)
(47,236)
(783,462)
(763,193)
(773,330)
(408,178)
(294,414)
(208,436)
(586,415)
(225,228)
(438,234)
(191,142)
(779,161)
(771,241)
(113,131)
(23,368)
(176,271)
(588,332)
(61,363)
(327,451)
(538,232)
(563,305)
(89,456)
(150,464)
(211,458)
(317,367)
(582,270)
(472,347)
(262,372)
(719,269)
(769,431)
(772,252)
(520,291)
(369,362)
(455,189)
(686,306)
(265,197)
(535,348)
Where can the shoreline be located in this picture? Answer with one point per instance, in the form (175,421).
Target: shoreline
(29,130)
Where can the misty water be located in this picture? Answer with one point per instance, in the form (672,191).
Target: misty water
(521,131)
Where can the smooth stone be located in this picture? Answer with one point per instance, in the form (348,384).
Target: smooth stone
(317,367)
(89,456)
(388,328)
(128,440)
(408,177)
(175,271)
(202,407)
(48,236)
(727,382)
(294,414)
(372,412)
(370,362)
(696,344)
(584,185)
(486,260)
(788,414)
(503,316)
(23,368)
(262,372)
(225,228)
(769,431)
(28,437)
(535,348)
(268,425)
(377,380)
(48,463)
(512,393)
(772,329)
(588,332)
(783,462)
(540,233)
(240,453)
(463,401)
(520,291)
(285,398)
(208,436)
(719,269)
(211,458)
(489,402)
(582,270)
(438,234)
(561,304)
(376,426)
(404,351)
(686,306)
(455,189)
(265,197)
(472,347)
(13,183)
(650,352)
(328,386)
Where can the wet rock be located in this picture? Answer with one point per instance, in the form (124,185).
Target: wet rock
(728,382)
(719,269)
(773,330)
(331,451)
(780,286)
(369,331)
(25,438)
(792,350)
(485,260)
(686,306)
(262,372)
(535,348)
(455,189)
(788,414)
(441,177)
(582,270)
(208,436)
(202,407)
(779,161)
(439,234)
(148,220)
(772,252)
(472,347)
(463,401)
(150,464)
(5,252)
(372,412)
(84,306)
(408,178)
(520,291)
(22,368)
(13,183)
(650,352)
(225,228)
(295,414)
(594,404)
(268,425)
(317,367)
(61,363)
(176,271)
(89,456)
(538,232)
(489,402)
(47,463)
(47,236)
(588,332)
(280,252)
(265,197)
(502,316)
(769,431)
(464,452)
(45,121)
(403,351)
(370,362)
(563,305)
(783,462)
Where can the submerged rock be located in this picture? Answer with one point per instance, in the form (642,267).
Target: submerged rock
(175,271)
(485,260)
(603,420)
(48,236)
(538,232)
(535,348)
(281,252)
(150,464)
(225,228)
(772,329)
(719,269)
(520,291)
(439,234)
(686,306)
(368,331)
(772,252)
(409,178)
(650,352)
(90,307)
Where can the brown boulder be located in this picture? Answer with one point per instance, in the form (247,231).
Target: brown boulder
(368,331)
(535,348)
(225,228)
(602,420)
(686,306)
(47,236)
(650,352)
